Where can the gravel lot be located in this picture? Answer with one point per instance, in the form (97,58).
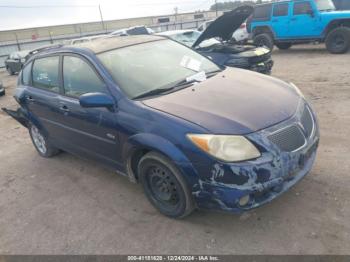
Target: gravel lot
(66,205)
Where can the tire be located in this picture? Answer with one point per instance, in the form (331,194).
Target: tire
(2,92)
(264,40)
(9,70)
(164,186)
(41,143)
(283,46)
(338,40)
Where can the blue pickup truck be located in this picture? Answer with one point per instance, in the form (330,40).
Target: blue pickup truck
(285,23)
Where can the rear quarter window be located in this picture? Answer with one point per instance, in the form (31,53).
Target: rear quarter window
(262,13)
(26,74)
(45,73)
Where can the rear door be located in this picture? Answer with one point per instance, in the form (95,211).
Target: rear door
(42,93)
(280,19)
(89,131)
(303,22)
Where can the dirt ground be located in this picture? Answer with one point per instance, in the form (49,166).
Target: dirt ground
(66,205)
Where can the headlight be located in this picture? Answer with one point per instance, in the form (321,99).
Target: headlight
(23,60)
(297,90)
(226,148)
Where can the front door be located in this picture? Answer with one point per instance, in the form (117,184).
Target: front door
(303,21)
(87,130)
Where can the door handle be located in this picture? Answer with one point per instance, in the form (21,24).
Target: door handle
(293,19)
(64,108)
(274,20)
(30,99)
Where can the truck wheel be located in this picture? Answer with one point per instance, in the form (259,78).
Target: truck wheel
(338,40)
(164,186)
(283,46)
(264,40)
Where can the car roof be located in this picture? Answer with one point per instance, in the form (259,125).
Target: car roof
(106,44)
(101,45)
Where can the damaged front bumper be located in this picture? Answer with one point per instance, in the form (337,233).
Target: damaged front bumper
(238,187)
(263,67)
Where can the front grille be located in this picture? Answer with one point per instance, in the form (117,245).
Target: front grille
(307,121)
(288,139)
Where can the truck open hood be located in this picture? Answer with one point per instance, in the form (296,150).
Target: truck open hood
(226,25)
(234,101)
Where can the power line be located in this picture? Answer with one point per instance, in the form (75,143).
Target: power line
(45,6)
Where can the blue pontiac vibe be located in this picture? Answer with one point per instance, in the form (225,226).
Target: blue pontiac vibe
(194,135)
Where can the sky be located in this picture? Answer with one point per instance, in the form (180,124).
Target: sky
(17,14)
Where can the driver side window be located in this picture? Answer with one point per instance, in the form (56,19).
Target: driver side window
(79,78)
(302,8)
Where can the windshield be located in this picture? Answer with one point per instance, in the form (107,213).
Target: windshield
(145,67)
(187,38)
(190,37)
(325,5)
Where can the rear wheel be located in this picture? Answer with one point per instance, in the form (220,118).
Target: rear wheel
(164,186)
(283,46)
(41,143)
(9,70)
(338,40)
(263,40)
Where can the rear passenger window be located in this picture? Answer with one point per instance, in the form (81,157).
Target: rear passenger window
(262,13)
(79,78)
(26,74)
(280,10)
(302,8)
(45,73)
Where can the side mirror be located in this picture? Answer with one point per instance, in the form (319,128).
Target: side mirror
(94,100)
(311,13)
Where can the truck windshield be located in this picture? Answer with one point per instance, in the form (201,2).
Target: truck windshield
(325,5)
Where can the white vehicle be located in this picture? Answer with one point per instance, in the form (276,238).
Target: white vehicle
(241,35)
(84,39)
(136,30)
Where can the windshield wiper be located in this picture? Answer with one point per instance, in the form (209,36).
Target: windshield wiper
(153,92)
(174,87)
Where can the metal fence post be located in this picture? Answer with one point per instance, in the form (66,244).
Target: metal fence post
(18,45)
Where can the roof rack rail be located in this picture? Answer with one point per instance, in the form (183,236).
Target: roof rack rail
(41,49)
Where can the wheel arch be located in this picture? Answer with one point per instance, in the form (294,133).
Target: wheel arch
(335,24)
(140,144)
(262,30)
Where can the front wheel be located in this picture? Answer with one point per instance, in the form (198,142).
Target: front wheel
(262,40)
(338,40)
(41,143)
(283,46)
(164,186)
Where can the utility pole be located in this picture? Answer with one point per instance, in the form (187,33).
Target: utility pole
(176,10)
(102,22)
(216,7)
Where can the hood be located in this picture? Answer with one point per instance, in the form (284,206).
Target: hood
(226,25)
(336,14)
(234,101)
